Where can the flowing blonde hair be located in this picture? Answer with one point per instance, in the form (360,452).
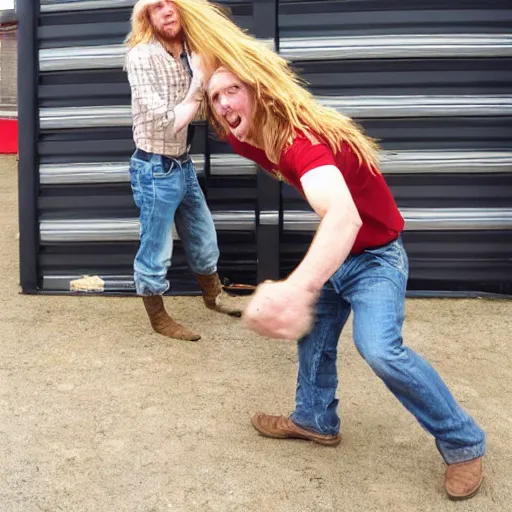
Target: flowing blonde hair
(283,105)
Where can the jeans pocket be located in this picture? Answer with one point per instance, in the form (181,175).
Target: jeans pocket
(402,262)
(392,254)
(136,167)
(136,164)
(163,167)
(137,193)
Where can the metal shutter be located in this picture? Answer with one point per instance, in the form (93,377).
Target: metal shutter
(81,218)
(430,79)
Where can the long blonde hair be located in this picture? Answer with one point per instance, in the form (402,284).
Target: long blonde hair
(283,104)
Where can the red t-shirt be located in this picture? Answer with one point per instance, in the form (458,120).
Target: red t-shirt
(382,221)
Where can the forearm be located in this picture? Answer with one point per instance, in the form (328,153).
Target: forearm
(201,113)
(330,248)
(185,112)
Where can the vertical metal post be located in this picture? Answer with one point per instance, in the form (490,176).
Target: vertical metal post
(28,124)
(268,227)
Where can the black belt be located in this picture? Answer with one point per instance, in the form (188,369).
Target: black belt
(144,155)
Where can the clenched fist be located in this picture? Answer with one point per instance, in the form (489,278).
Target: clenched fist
(281,310)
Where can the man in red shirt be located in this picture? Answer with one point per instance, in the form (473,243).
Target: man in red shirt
(356,262)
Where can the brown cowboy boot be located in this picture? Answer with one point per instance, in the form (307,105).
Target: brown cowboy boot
(463,479)
(214,297)
(280,427)
(163,324)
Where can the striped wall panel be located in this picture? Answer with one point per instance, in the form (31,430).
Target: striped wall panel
(430,80)
(86,218)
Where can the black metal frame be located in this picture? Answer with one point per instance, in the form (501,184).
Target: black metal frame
(269,190)
(28,70)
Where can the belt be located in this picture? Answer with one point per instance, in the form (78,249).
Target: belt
(144,155)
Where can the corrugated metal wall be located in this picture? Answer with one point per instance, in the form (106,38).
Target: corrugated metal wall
(86,216)
(431,81)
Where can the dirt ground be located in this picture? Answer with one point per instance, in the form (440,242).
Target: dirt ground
(99,414)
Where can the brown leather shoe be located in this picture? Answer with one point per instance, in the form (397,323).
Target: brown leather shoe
(280,427)
(163,324)
(463,479)
(214,296)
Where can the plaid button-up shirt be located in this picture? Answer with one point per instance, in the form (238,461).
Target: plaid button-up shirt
(158,83)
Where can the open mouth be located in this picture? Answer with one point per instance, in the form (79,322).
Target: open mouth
(233,121)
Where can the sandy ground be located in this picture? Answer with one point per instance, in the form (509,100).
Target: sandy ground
(99,414)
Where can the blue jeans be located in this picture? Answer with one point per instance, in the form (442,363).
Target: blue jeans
(166,191)
(373,285)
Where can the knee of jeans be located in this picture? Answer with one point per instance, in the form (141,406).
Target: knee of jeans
(383,359)
(152,264)
(326,380)
(205,262)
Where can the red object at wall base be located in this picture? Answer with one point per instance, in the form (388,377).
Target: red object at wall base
(8,136)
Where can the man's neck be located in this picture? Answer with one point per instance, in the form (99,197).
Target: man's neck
(173,46)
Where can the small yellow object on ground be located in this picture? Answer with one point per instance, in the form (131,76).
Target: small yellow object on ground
(87,284)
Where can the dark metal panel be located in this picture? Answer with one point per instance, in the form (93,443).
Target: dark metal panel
(439,261)
(269,203)
(97,144)
(452,190)
(490,190)
(87,145)
(84,88)
(432,76)
(28,123)
(438,134)
(83,28)
(375,17)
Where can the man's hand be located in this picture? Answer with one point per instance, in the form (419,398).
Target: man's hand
(199,68)
(281,310)
(186,111)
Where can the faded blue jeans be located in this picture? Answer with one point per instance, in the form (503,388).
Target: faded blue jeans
(166,191)
(372,285)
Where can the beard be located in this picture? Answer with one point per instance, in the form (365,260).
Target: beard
(173,35)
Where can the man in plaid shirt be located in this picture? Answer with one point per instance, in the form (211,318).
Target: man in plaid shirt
(167,91)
